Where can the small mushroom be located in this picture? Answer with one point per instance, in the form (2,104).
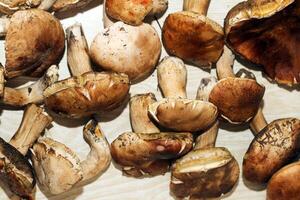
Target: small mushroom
(133,50)
(15,170)
(175,111)
(86,92)
(133,12)
(284,184)
(266,33)
(34,41)
(59,169)
(193,37)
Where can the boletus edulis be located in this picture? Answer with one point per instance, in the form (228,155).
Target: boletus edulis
(34,40)
(146,151)
(58,168)
(253,28)
(192,36)
(15,170)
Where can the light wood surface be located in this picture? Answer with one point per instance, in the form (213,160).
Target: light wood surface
(278,103)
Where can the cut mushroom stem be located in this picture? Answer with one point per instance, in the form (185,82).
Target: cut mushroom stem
(4,24)
(225,63)
(208,138)
(198,6)
(77,53)
(32,93)
(99,158)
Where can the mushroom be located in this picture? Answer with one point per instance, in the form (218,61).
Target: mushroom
(59,169)
(66,5)
(15,170)
(284,184)
(169,112)
(134,50)
(147,152)
(133,12)
(253,28)
(34,41)
(86,92)
(193,37)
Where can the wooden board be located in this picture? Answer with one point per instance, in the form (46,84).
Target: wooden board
(278,103)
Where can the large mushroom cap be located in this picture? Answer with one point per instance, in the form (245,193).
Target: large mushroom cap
(192,37)
(204,173)
(267,33)
(87,94)
(34,41)
(237,99)
(133,50)
(276,145)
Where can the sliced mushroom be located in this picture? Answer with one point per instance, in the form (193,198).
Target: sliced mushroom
(176,112)
(133,12)
(59,169)
(193,37)
(266,33)
(133,50)
(34,41)
(15,170)
(284,184)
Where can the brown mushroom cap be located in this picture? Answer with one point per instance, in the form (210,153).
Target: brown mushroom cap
(266,33)
(65,5)
(193,37)
(133,50)
(183,114)
(10,6)
(276,145)
(204,173)
(34,41)
(285,184)
(87,94)
(237,99)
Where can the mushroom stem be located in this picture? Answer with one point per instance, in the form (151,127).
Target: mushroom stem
(4,24)
(77,52)
(2,80)
(32,93)
(258,122)
(46,4)
(33,123)
(208,138)
(197,6)
(225,63)
(98,159)
(205,87)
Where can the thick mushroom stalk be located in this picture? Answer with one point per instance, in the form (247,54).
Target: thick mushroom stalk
(193,37)
(175,111)
(33,93)
(59,169)
(15,170)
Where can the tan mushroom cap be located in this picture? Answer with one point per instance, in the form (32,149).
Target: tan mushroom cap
(237,99)
(276,145)
(133,50)
(266,33)
(204,173)
(87,94)
(10,6)
(34,41)
(183,114)
(285,184)
(193,38)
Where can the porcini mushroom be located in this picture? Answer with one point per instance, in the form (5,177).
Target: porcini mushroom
(59,169)
(65,5)
(253,28)
(15,170)
(133,50)
(191,36)
(34,41)
(169,112)
(147,152)
(86,92)
(133,12)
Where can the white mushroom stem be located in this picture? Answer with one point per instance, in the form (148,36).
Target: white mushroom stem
(32,93)
(198,6)
(258,122)
(107,21)
(33,123)
(4,24)
(172,77)
(208,138)
(99,158)
(205,87)
(225,63)
(77,52)
(46,4)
